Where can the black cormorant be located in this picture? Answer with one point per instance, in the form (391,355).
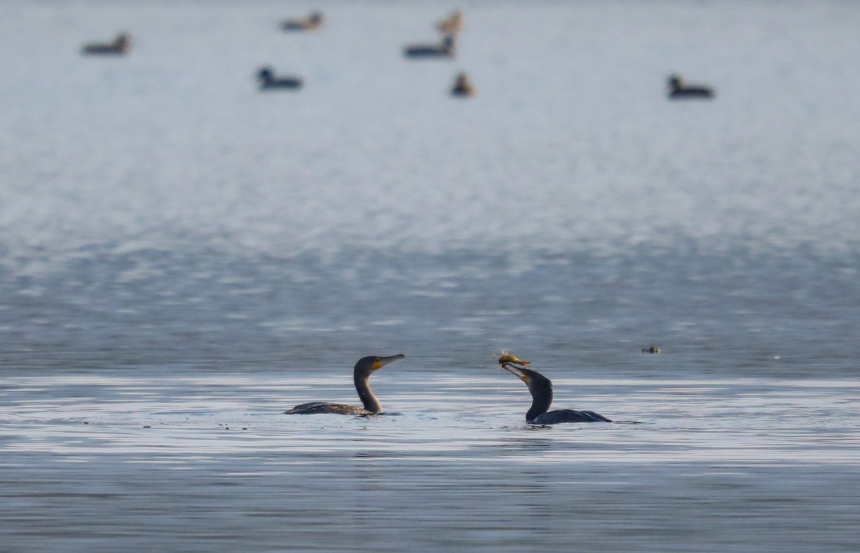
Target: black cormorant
(446,49)
(268,81)
(540,388)
(679,89)
(365,367)
(119,46)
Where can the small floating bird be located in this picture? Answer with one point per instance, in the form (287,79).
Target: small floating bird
(365,367)
(310,23)
(446,49)
(120,45)
(463,86)
(268,81)
(653,349)
(540,388)
(452,24)
(679,89)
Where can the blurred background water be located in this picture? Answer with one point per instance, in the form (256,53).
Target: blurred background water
(181,252)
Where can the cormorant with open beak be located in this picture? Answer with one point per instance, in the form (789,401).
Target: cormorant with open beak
(540,388)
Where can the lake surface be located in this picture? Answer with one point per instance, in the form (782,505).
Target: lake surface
(183,258)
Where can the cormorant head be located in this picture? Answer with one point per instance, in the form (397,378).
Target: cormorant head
(122,42)
(265,74)
(675,82)
(533,379)
(540,387)
(517,367)
(368,365)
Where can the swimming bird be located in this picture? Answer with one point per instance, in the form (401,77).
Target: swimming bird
(268,80)
(653,349)
(463,86)
(310,23)
(540,388)
(365,367)
(452,24)
(679,89)
(446,49)
(120,45)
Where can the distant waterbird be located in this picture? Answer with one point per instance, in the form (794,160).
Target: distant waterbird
(119,46)
(540,388)
(268,81)
(678,89)
(445,49)
(310,23)
(463,86)
(365,367)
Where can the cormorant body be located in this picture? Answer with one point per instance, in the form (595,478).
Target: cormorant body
(365,367)
(268,81)
(678,89)
(540,388)
(446,49)
(119,46)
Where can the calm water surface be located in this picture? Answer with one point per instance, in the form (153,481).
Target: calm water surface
(183,258)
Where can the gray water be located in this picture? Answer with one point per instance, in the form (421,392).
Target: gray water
(183,258)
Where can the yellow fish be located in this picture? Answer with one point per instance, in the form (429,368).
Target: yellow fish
(506,359)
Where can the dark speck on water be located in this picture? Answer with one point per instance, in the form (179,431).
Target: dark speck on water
(179,248)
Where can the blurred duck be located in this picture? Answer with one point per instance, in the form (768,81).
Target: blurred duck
(452,24)
(679,89)
(310,23)
(268,81)
(446,49)
(463,86)
(120,45)
(653,349)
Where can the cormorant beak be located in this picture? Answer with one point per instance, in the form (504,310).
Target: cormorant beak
(382,361)
(514,370)
(513,365)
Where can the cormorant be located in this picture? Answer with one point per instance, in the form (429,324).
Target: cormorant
(446,49)
(120,45)
(679,89)
(361,374)
(540,388)
(268,80)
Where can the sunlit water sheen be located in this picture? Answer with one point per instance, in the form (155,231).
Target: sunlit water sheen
(183,258)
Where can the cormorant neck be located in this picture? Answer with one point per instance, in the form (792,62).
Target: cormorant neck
(541,398)
(362,386)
